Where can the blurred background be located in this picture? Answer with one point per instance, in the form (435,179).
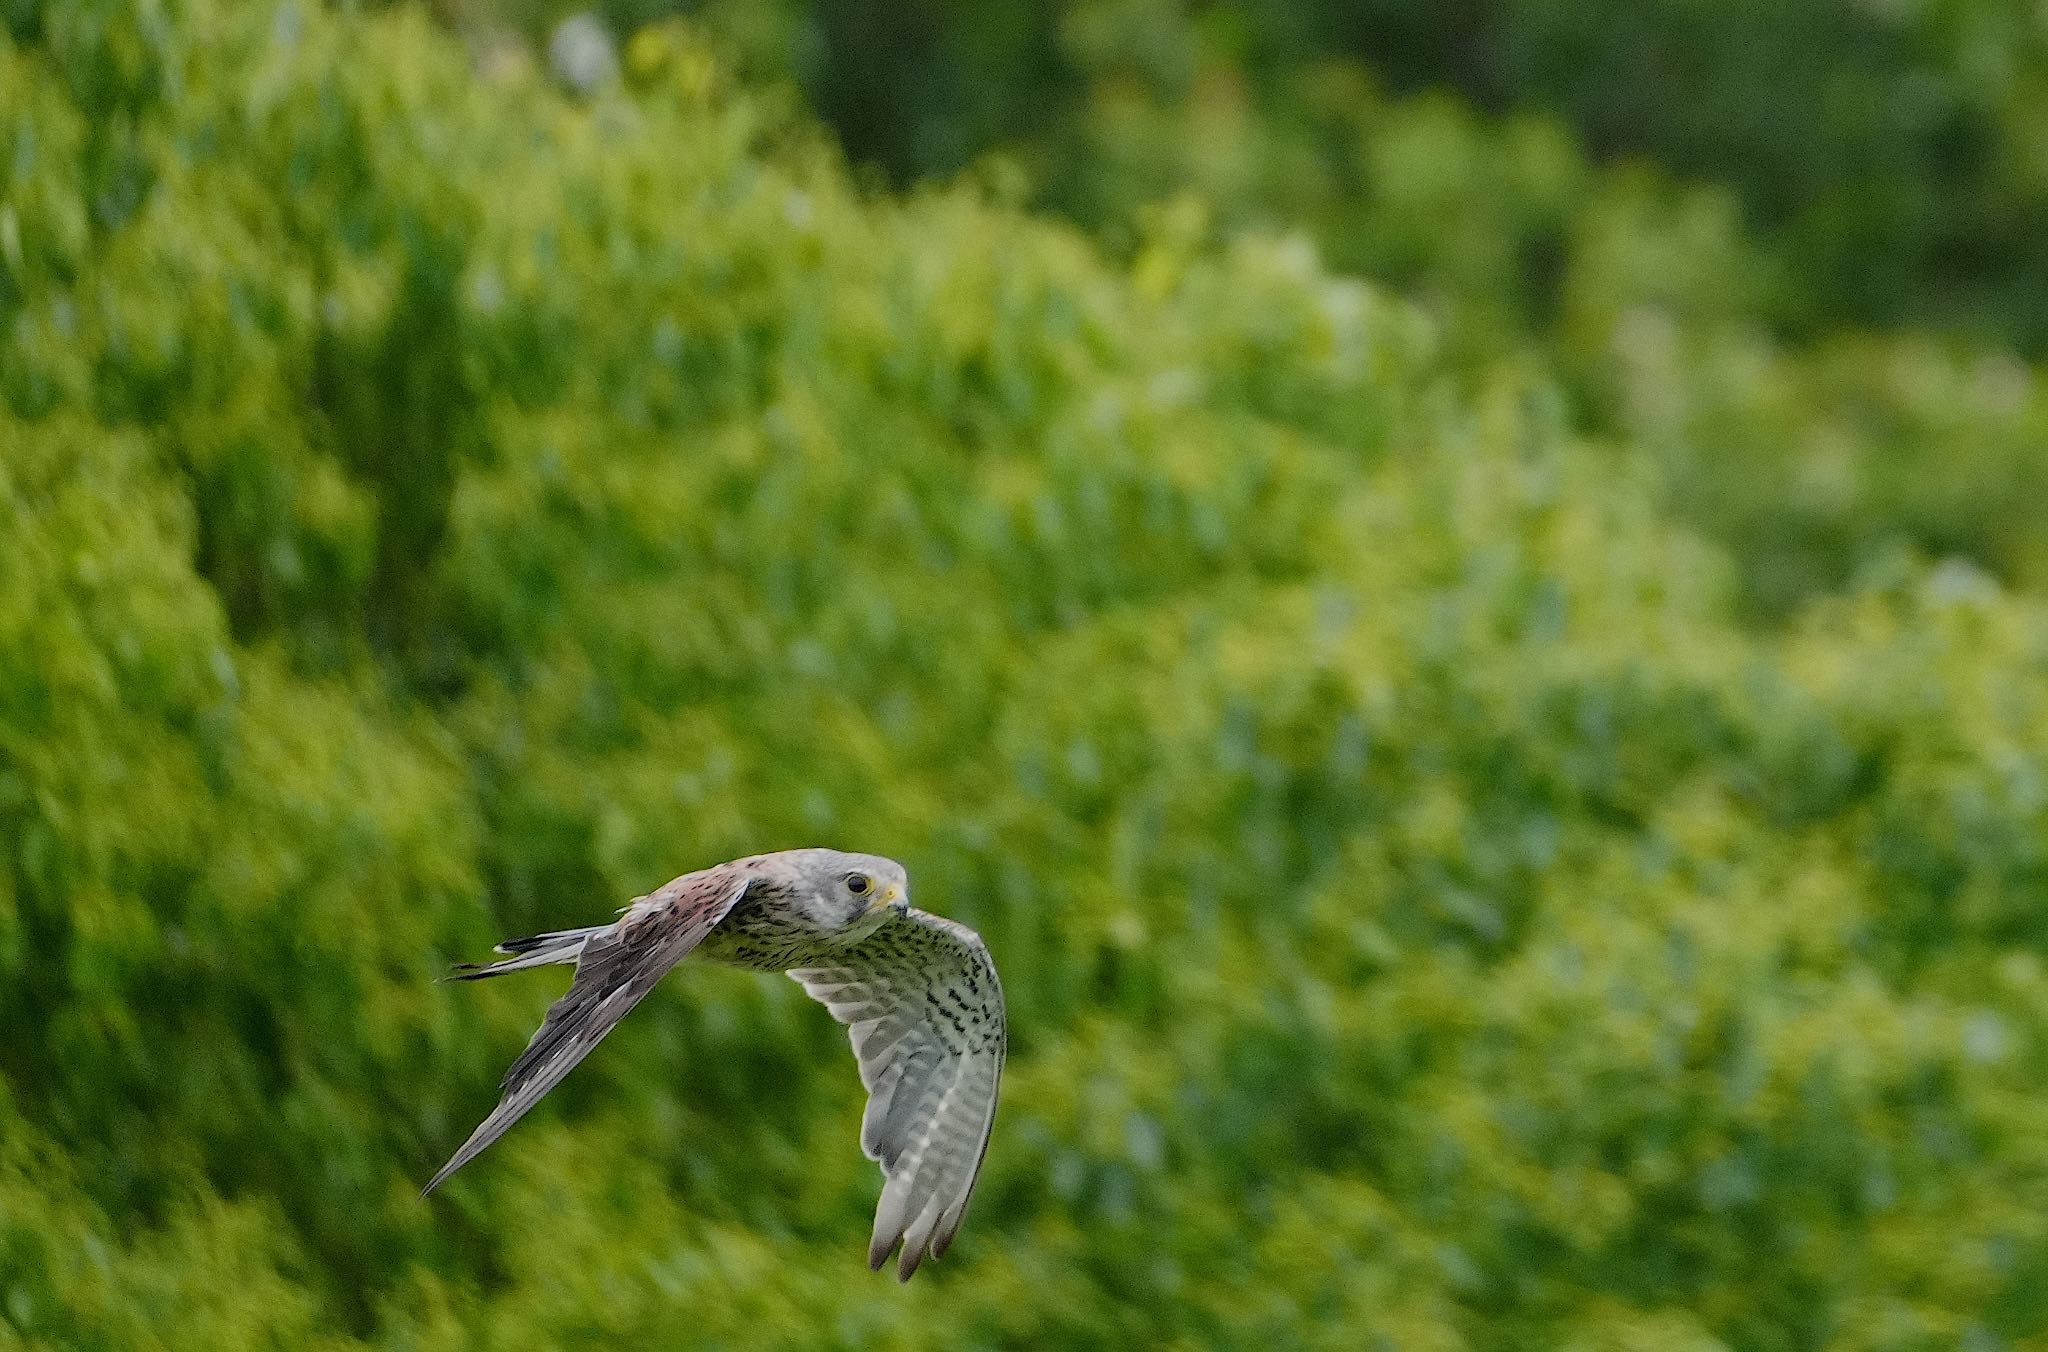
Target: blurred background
(1459,589)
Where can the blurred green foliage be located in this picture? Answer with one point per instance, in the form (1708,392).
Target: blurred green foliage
(1888,152)
(1714,224)
(1433,915)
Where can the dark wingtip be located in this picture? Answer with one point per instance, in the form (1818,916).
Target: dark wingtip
(442,1177)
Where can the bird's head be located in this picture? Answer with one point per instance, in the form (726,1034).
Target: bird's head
(851,894)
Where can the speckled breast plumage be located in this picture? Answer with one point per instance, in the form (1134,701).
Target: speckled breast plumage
(764,932)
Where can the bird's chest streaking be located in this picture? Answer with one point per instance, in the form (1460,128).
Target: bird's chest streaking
(765,932)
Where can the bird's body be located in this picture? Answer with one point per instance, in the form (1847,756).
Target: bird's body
(917,992)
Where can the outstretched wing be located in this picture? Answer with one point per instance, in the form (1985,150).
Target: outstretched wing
(618,966)
(924,1011)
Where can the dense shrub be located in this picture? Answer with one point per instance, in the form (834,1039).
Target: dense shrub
(1883,153)
(1708,191)
(431,510)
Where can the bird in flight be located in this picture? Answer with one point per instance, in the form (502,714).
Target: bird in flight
(917,993)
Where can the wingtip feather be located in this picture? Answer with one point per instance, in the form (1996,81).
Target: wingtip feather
(917,1241)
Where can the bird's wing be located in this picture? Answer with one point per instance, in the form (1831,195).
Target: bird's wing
(617,968)
(924,1011)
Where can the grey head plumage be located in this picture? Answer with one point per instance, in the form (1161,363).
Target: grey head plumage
(838,892)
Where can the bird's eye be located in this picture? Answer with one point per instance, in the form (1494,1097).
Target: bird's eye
(859,884)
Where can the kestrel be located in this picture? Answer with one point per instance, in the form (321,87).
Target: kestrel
(917,993)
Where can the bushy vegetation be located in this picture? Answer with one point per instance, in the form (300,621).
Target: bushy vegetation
(1885,153)
(1434,915)
(1710,223)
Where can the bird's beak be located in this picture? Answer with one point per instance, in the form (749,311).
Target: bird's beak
(893,898)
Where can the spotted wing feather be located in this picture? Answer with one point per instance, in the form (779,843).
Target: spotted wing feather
(617,968)
(924,1013)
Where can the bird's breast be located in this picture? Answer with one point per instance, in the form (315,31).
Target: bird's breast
(764,932)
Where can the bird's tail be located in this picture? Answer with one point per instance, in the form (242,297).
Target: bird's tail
(535,950)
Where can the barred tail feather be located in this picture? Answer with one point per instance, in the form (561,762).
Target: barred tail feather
(535,950)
